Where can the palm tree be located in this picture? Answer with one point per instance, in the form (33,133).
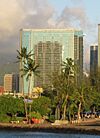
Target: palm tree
(29,69)
(68,69)
(68,75)
(22,57)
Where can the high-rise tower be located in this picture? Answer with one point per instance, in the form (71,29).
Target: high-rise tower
(51,47)
(93,62)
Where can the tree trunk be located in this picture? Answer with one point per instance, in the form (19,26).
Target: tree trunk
(22,78)
(64,114)
(22,86)
(25,104)
(29,93)
(30,114)
(57,113)
(79,111)
(94,109)
(64,111)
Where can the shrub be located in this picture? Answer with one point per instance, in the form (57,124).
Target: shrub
(51,118)
(42,105)
(35,115)
(5,118)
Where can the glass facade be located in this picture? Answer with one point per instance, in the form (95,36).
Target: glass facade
(49,57)
(93,58)
(51,47)
(93,62)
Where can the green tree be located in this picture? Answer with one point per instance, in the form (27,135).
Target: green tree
(68,75)
(63,83)
(93,102)
(10,105)
(22,57)
(30,69)
(42,105)
(79,95)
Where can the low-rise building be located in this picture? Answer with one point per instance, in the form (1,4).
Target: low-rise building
(11,83)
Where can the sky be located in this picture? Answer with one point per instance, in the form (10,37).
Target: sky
(78,14)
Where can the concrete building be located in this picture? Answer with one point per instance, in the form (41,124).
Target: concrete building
(11,82)
(51,47)
(93,62)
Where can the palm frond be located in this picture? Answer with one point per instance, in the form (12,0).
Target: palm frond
(30,53)
(18,52)
(37,73)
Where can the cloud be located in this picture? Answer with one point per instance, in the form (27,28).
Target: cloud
(77,1)
(17,14)
(10,14)
(22,13)
(74,17)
